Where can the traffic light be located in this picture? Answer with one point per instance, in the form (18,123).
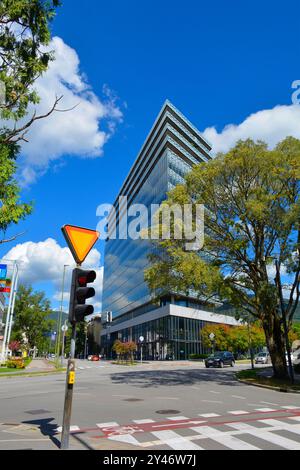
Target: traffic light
(80,293)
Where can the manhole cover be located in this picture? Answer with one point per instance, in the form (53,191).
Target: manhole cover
(37,412)
(133,399)
(168,412)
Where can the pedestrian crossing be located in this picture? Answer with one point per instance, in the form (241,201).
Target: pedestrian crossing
(258,429)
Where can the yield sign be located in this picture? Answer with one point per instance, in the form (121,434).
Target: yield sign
(80,241)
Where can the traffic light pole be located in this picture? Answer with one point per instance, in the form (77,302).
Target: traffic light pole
(65,437)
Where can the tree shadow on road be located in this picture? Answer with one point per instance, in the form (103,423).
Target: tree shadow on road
(145,379)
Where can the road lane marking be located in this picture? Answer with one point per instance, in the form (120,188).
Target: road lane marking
(178,418)
(108,425)
(238,412)
(291,407)
(295,428)
(210,415)
(225,439)
(143,421)
(238,397)
(266,410)
(266,436)
(175,441)
(72,429)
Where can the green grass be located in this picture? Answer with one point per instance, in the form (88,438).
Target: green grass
(5,374)
(253,377)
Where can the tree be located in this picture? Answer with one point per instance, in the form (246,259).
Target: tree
(24,35)
(125,350)
(32,325)
(14,346)
(11,210)
(251,196)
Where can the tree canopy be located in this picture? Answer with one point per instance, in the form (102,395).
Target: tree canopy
(252,217)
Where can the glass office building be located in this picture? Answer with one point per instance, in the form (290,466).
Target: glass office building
(171,328)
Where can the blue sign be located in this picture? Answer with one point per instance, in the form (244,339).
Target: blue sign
(3,272)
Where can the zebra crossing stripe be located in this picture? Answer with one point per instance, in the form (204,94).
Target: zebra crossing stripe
(295,428)
(265,410)
(127,438)
(210,415)
(238,412)
(266,435)
(176,442)
(227,440)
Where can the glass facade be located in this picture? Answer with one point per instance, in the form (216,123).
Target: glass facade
(167,338)
(169,152)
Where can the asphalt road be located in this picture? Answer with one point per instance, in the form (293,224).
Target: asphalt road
(154,406)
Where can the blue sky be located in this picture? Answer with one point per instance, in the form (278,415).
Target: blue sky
(218,62)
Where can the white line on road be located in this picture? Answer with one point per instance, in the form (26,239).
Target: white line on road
(225,439)
(238,397)
(266,435)
(238,412)
(178,418)
(143,421)
(175,441)
(210,415)
(108,425)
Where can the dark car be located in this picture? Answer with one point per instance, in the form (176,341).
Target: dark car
(220,359)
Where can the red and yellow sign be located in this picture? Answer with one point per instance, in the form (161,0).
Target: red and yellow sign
(80,241)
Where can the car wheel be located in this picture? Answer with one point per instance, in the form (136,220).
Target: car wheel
(232,363)
(221,365)
(207,367)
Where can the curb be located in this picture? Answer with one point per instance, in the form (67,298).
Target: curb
(269,387)
(31,374)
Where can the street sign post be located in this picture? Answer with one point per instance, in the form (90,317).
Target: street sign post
(80,241)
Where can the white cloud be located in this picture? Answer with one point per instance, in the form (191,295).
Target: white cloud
(269,125)
(44,262)
(82,131)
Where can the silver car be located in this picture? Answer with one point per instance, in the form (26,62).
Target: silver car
(262,358)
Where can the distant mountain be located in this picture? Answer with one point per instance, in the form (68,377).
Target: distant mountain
(55,316)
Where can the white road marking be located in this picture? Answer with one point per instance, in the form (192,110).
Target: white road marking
(215,393)
(268,403)
(178,418)
(295,428)
(72,429)
(238,397)
(177,424)
(108,425)
(210,415)
(175,441)
(295,418)
(266,436)
(265,410)
(127,438)
(143,421)
(225,439)
(238,412)
(291,407)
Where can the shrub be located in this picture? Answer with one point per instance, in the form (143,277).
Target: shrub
(15,364)
(198,356)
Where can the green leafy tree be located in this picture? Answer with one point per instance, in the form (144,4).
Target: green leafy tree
(32,325)
(24,35)
(12,210)
(251,196)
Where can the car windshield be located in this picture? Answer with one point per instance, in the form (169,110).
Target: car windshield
(262,354)
(218,354)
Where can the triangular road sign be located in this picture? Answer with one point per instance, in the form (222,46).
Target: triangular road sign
(80,241)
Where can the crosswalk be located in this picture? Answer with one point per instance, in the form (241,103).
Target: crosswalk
(258,429)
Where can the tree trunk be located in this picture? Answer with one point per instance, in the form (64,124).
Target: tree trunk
(276,345)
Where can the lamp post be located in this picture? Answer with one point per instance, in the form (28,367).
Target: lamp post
(284,320)
(59,325)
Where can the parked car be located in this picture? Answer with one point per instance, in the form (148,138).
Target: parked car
(220,359)
(89,358)
(262,358)
(95,359)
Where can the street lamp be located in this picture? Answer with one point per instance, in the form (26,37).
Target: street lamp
(59,325)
